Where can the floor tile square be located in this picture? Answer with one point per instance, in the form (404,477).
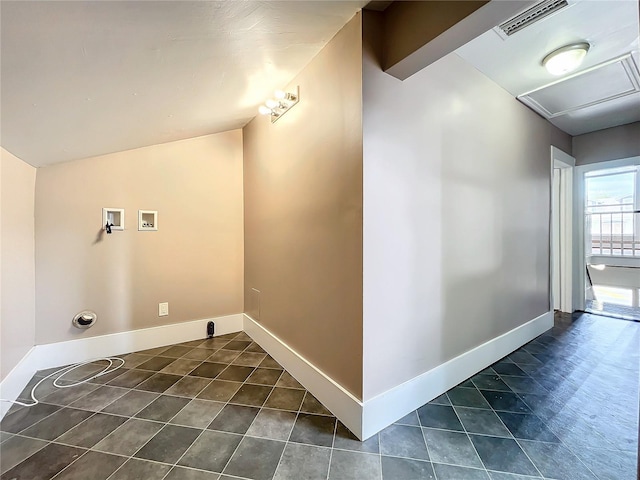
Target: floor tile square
(92,465)
(220,391)
(264,376)
(409,419)
(193,343)
(509,476)
(176,351)
(55,425)
(528,427)
(130,403)
(303,461)
(252,395)
(255,458)
(129,437)
(269,362)
(16,449)
(556,461)
(236,373)
(132,360)
(453,448)
(485,422)
(345,440)
(354,466)
(523,384)
(249,359)
(441,400)
(521,356)
(237,345)
(155,364)
(154,351)
(45,463)
(503,368)
(169,444)
(452,472)
(25,417)
(406,469)
(198,413)
(502,455)
(197,354)
(188,387)
(99,398)
(609,464)
(403,441)
(285,399)
(184,473)
(140,469)
(92,430)
(254,347)
(505,401)
(467,397)
(208,370)
(158,383)
(314,430)
(130,378)
(439,416)
(273,424)
(311,404)
(201,455)
(181,366)
(163,408)
(490,382)
(234,419)
(287,380)
(223,356)
(66,396)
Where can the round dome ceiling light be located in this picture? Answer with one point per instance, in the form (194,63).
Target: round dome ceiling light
(565,59)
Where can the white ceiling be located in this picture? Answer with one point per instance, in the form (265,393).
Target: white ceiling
(612,29)
(85,78)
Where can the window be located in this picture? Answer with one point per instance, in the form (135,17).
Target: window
(612,197)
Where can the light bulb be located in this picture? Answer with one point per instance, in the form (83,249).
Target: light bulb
(264,110)
(565,59)
(272,104)
(280,94)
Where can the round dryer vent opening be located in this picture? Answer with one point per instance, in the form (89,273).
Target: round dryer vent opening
(85,319)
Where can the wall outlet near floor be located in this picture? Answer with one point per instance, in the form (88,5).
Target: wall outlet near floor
(163,309)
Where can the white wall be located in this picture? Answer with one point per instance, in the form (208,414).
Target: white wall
(17,271)
(456,215)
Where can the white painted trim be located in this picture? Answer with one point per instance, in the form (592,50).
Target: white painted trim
(16,380)
(80,350)
(565,163)
(339,401)
(394,404)
(579,254)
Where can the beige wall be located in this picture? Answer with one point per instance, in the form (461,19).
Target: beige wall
(303,214)
(17,264)
(194,261)
(608,144)
(456,215)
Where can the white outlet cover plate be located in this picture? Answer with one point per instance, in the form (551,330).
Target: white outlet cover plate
(163,309)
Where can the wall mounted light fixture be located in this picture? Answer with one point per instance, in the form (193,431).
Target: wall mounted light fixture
(565,59)
(282,103)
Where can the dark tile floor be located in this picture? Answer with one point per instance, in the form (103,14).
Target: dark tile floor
(564,406)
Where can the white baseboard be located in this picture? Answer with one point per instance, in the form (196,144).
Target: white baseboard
(333,396)
(394,404)
(80,350)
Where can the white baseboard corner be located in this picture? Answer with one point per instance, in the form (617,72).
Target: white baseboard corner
(58,354)
(388,407)
(346,407)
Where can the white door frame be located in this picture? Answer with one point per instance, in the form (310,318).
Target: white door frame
(579,256)
(565,163)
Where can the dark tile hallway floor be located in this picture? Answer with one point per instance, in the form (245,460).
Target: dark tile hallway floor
(564,406)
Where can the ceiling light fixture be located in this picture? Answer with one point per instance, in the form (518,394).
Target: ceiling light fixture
(277,108)
(565,59)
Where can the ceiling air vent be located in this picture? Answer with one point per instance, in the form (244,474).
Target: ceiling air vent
(528,17)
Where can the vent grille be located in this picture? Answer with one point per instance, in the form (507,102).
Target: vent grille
(531,16)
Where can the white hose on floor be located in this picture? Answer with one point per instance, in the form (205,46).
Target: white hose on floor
(66,370)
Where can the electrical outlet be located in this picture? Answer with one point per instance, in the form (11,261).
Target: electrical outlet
(163,309)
